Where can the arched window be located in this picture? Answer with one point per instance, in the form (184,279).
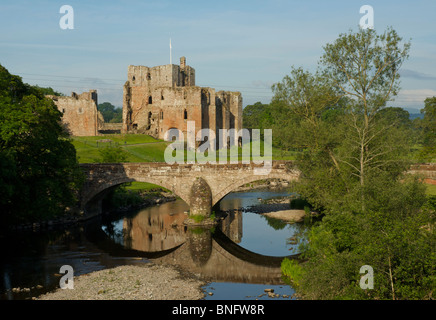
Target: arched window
(185,114)
(150,100)
(161,115)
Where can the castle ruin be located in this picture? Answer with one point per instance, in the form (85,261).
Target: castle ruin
(156,101)
(161,98)
(79,113)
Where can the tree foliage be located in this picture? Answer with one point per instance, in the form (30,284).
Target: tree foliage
(428,126)
(112,154)
(110,112)
(352,169)
(39,172)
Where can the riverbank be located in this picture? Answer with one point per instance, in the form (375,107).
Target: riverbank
(132,282)
(146,199)
(279,208)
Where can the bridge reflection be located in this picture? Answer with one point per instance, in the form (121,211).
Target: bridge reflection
(159,234)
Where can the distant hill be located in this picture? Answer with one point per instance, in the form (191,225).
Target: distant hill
(415,115)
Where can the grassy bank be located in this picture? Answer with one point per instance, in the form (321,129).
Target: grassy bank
(143,148)
(431,190)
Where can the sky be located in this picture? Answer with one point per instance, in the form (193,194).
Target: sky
(241,45)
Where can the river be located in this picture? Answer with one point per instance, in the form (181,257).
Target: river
(239,258)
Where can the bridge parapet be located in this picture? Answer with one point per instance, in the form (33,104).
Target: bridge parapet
(179,178)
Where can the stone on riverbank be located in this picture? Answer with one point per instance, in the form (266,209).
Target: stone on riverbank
(291,215)
(145,282)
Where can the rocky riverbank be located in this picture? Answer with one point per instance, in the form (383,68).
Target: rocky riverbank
(132,282)
(279,208)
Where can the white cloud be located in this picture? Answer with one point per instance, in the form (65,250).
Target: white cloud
(416,96)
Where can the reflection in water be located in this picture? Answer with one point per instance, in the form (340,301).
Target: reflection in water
(200,245)
(242,249)
(153,229)
(216,253)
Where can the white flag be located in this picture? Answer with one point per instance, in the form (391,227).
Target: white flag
(171,62)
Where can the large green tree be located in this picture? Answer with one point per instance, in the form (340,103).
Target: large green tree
(353,170)
(39,173)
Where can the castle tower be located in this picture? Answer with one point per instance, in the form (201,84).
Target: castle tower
(165,97)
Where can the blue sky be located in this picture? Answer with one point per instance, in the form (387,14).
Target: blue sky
(241,46)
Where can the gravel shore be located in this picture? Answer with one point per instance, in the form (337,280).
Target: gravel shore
(144,282)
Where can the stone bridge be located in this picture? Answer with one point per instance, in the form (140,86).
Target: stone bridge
(201,186)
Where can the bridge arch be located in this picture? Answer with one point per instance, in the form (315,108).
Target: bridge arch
(248,179)
(178,178)
(109,176)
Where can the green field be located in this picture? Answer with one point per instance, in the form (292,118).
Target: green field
(431,189)
(142,148)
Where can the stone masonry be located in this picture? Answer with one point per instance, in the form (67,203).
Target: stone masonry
(80,113)
(161,98)
(201,186)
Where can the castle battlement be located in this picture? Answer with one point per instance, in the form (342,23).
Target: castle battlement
(160,98)
(169,75)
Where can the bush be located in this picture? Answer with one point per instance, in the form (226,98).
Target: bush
(112,154)
(292,270)
(300,204)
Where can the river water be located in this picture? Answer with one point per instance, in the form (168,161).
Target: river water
(239,258)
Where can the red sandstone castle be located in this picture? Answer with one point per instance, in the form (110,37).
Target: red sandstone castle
(165,97)
(156,100)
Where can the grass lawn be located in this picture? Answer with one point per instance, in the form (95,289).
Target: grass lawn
(121,139)
(431,190)
(138,147)
(142,186)
(143,148)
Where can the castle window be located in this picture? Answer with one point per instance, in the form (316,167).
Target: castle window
(162,97)
(185,114)
(133,78)
(161,115)
(148,76)
(150,100)
(63,110)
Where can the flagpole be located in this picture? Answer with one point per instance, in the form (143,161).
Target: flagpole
(170,53)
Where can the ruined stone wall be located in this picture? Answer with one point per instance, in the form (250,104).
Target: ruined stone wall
(155,111)
(164,97)
(80,113)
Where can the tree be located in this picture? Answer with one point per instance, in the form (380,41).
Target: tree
(352,169)
(307,97)
(112,154)
(364,66)
(48,91)
(110,112)
(358,74)
(428,127)
(254,116)
(40,175)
